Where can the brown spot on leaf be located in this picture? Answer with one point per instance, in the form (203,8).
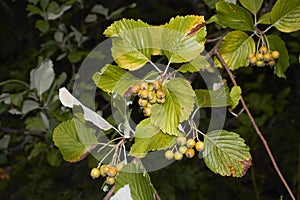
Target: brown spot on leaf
(246,165)
(192,31)
(232,170)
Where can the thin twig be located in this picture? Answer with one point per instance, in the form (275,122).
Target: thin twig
(157,196)
(110,193)
(256,127)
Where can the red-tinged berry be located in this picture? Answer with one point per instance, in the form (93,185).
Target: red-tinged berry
(111,171)
(190,153)
(144,86)
(160,94)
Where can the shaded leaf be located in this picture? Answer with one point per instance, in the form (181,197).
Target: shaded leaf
(265,18)
(41,78)
(74,56)
(252,5)
(28,106)
(4,141)
(235,48)
(150,138)
(282,64)
(195,65)
(226,153)
(180,99)
(54,158)
(285,15)
(42,25)
(234,16)
(74,140)
(138,180)
(213,98)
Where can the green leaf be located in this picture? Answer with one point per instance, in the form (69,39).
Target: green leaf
(235,48)
(252,5)
(4,141)
(53,7)
(17,99)
(138,180)
(183,38)
(114,79)
(235,95)
(265,18)
(54,157)
(180,99)
(74,140)
(34,10)
(90,18)
(29,105)
(198,64)
(213,98)
(41,78)
(282,64)
(225,153)
(285,15)
(150,138)
(74,56)
(42,25)
(234,16)
(37,149)
(131,43)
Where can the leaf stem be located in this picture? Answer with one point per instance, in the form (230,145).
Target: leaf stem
(154,66)
(257,130)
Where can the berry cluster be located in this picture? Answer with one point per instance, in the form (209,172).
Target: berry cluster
(149,94)
(186,147)
(107,170)
(263,57)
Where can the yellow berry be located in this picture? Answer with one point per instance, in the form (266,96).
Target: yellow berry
(178,155)
(135,88)
(153,101)
(182,149)
(199,146)
(190,153)
(156,85)
(260,63)
(103,170)
(151,95)
(160,94)
(144,86)
(169,154)
(111,172)
(143,102)
(143,94)
(147,111)
(271,63)
(190,143)
(251,55)
(95,173)
(260,57)
(275,54)
(110,180)
(181,140)
(253,60)
(263,50)
(161,101)
(268,57)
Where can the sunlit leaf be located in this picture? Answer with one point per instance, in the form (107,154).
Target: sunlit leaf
(252,5)
(282,64)
(235,48)
(183,38)
(135,176)
(285,15)
(234,16)
(180,99)
(235,95)
(74,140)
(225,153)
(196,65)
(150,138)
(265,18)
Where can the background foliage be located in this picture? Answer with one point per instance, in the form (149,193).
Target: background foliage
(65,31)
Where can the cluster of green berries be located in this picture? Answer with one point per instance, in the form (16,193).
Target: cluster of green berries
(186,147)
(149,94)
(264,57)
(107,171)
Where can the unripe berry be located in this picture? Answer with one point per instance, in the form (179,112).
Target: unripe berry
(111,172)
(143,94)
(144,86)
(181,140)
(160,94)
(150,87)
(182,149)
(178,155)
(143,102)
(119,166)
(263,50)
(275,54)
(110,180)
(95,173)
(271,63)
(190,143)
(161,101)
(156,85)
(190,153)
(253,60)
(259,57)
(199,146)
(260,63)
(268,57)
(147,111)
(169,154)
(135,88)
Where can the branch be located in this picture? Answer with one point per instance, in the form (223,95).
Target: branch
(257,130)
(20,132)
(110,193)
